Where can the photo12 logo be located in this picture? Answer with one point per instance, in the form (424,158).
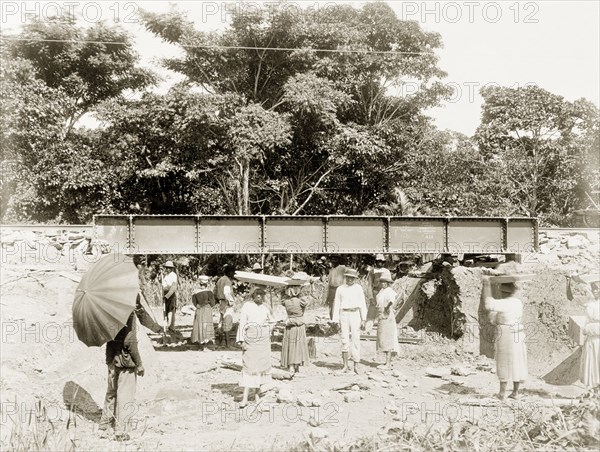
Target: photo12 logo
(91,12)
(469,12)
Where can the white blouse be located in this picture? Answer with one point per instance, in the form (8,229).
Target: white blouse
(252,314)
(508,310)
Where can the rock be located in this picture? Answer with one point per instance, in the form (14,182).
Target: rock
(384,384)
(285,396)
(415,385)
(399,375)
(438,372)
(393,427)
(313,422)
(553,234)
(353,396)
(317,434)
(355,388)
(304,400)
(574,242)
(391,408)
(461,371)
(316,402)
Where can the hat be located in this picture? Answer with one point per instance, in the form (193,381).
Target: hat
(386,279)
(203,278)
(168,264)
(351,273)
(323,258)
(379,257)
(256,266)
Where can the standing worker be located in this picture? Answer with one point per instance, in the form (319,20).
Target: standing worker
(224,293)
(350,311)
(169,286)
(203,331)
(374,278)
(510,348)
(336,279)
(124,366)
(387,330)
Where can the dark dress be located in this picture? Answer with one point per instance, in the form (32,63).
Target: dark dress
(294,348)
(203,330)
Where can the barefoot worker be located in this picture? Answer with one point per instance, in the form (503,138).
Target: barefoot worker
(254,337)
(294,347)
(510,348)
(203,330)
(387,330)
(350,311)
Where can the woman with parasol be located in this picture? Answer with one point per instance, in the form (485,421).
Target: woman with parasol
(254,337)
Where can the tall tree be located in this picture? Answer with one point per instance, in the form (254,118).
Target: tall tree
(53,73)
(335,87)
(89,65)
(542,142)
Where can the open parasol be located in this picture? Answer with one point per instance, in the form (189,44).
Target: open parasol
(105,298)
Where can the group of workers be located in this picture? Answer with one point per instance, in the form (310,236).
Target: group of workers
(347,302)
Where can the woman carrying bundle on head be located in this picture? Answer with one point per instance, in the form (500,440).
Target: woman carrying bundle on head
(294,348)
(510,348)
(254,337)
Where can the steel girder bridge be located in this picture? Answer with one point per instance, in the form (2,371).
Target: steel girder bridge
(198,234)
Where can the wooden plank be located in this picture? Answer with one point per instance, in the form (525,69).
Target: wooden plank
(401,339)
(510,278)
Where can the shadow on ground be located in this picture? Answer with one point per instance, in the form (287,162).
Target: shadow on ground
(79,401)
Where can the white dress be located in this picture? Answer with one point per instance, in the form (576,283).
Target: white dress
(255,331)
(589,371)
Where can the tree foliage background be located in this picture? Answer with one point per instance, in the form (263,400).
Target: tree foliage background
(322,129)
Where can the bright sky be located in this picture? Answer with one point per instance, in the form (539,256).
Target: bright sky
(554,44)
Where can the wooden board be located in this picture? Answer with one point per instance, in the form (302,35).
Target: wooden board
(510,278)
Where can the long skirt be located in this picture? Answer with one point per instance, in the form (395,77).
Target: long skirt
(590,362)
(294,348)
(203,330)
(256,360)
(387,334)
(511,353)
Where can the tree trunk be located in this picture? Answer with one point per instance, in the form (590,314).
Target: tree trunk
(245,188)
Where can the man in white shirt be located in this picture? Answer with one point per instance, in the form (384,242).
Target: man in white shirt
(169,285)
(350,311)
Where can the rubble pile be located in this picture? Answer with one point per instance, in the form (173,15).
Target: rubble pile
(575,248)
(52,246)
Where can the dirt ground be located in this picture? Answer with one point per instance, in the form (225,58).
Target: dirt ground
(187,400)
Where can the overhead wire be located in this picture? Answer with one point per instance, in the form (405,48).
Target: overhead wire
(222,47)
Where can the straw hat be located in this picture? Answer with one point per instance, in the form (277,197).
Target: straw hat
(350,272)
(169,264)
(380,257)
(256,266)
(203,278)
(386,279)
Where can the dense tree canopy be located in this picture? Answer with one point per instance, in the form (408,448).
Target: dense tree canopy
(279,113)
